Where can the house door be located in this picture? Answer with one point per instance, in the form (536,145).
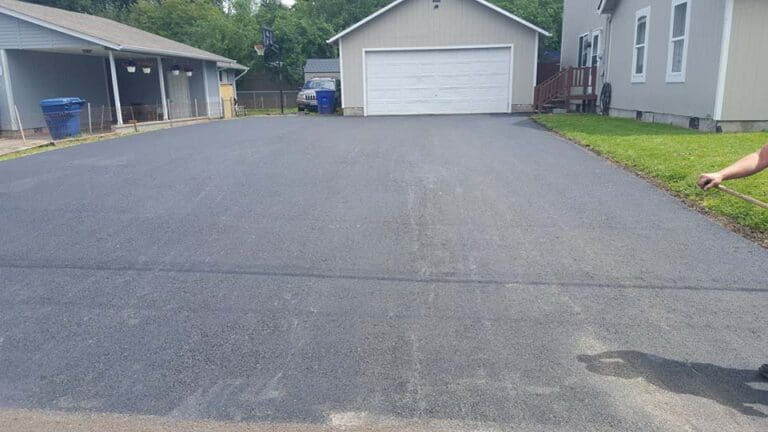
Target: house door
(228,98)
(180,100)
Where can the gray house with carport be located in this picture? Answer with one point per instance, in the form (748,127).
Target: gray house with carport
(125,74)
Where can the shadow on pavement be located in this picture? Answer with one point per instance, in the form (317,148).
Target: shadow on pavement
(728,387)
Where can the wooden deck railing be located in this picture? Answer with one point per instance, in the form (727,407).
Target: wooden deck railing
(569,84)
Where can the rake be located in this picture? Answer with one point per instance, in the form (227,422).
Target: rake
(746,198)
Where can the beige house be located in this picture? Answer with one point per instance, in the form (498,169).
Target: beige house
(692,63)
(438,57)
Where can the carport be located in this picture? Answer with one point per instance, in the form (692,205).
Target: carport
(127,75)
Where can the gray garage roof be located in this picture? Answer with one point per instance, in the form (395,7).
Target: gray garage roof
(102,31)
(322,65)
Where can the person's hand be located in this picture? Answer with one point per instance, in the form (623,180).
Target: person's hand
(709,181)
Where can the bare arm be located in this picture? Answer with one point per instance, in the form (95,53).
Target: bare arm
(750,164)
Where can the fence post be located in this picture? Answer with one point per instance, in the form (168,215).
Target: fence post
(90,120)
(262,102)
(196,112)
(103,108)
(282,102)
(254,99)
(21,127)
(170,110)
(232,105)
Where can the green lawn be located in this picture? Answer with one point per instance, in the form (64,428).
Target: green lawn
(674,157)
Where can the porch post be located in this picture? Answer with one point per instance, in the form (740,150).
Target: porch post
(6,71)
(162,87)
(205,89)
(115,89)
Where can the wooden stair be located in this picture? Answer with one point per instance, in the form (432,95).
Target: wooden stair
(567,86)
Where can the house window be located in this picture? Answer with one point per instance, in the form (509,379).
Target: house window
(678,40)
(583,50)
(595,57)
(640,54)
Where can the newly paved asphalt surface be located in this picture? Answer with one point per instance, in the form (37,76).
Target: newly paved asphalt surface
(462,273)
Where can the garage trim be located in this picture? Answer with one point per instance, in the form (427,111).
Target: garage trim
(436,48)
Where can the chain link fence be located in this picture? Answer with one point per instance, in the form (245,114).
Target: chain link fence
(100,119)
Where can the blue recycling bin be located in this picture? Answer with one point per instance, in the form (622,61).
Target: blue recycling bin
(62,116)
(325,101)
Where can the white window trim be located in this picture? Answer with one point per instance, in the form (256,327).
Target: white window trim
(580,52)
(599,33)
(646,12)
(678,77)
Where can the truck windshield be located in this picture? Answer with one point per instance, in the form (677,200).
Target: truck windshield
(322,85)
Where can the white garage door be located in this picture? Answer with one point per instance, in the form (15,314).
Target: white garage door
(438,81)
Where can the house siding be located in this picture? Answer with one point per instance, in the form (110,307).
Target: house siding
(693,98)
(309,75)
(746,94)
(415,23)
(18,34)
(579,17)
(38,75)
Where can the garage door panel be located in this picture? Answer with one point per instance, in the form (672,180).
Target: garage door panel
(450,81)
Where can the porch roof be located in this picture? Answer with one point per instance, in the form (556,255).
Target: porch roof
(103,31)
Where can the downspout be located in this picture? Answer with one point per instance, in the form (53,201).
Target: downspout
(609,38)
(244,72)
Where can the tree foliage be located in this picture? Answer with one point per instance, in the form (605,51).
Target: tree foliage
(231,27)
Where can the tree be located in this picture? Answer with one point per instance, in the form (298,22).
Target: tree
(93,7)
(200,23)
(547,14)
(231,27)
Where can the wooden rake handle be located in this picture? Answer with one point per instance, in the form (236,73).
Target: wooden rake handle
(746,198)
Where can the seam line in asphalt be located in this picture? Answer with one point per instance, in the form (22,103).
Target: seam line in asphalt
(380,278)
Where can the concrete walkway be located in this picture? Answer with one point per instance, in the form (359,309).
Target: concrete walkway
(12,145)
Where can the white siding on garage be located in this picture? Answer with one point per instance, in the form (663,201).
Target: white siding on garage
(416,23)
(445,81)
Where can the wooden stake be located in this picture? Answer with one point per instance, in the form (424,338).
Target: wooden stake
(746,198)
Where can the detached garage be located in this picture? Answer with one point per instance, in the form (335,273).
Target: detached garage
(438,57)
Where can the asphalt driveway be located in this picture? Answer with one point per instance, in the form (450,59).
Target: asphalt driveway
(420,273)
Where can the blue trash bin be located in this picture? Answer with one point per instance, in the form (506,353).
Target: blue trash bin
(62,116)
(325,101)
